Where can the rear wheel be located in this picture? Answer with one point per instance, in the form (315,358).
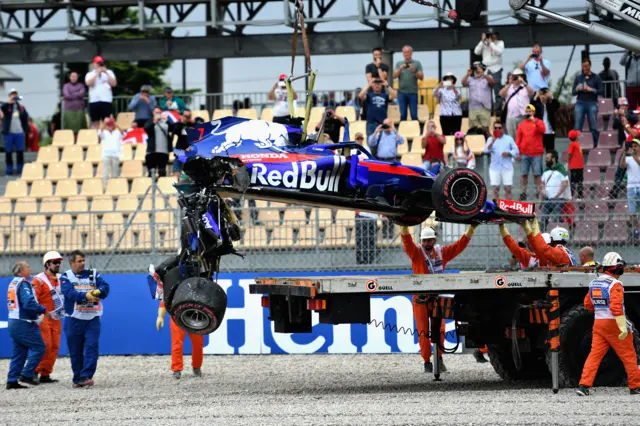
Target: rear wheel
(533,365)
(199,305)
(459,194)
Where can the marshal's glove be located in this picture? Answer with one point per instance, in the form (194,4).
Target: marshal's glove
(535,226)
(404,230)
(503,230)
(160,319)
(526,226)
(471,230)
(90,297)
(622,326)
(96,293)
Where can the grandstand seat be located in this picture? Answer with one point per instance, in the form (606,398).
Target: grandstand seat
(610,174)
(464,127)
(621,207)
(77,204)
(299,111)
(270,218)
(295,217)
(36,221)
(600,124)
(393,113)
(165,185)
(87,137)
(586,141)
(307,236)
(615,231)
(81,171)
(86,221)
(345,217)
(60,223)
(70,239)
(140,218)
(449,143)
(255,237)
(220,113)
(323,215)
(249,113)
(599,158)
(147,204)
(41,188)
(5,206)
(94,154)
(127,203)
(63,137)
(403,148)
(102,204)
(281,237)
(114,218)
(163,219)
(315,116)
(25,205)
(412,159)
(605,106)
(117,186)
(132,169)
(141,152)
(347,112)
(66,188)
(423,113)
(597,211)
(591,176)
(337,236)
(92,187)
(586,233)
(416,145)
(72,154)
(124,119)
(127,153)
(32,171)
(48,154)
(476,144)
(409,129)
(16,189)
(608,140)
(50,205)
(266,114)
(57,171)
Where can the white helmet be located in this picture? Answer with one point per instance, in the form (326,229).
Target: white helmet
(52,255)
(559,234)
(546,237)
(611,259)
(427,233)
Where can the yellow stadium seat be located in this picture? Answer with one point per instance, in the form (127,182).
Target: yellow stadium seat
(281,237)
(295,217)
(345,215)
(423,113)
(77,204)
(147,204)
(48,154)
(66,188)
(16,189)
(87,137)
(336,236)
(465,125)
(255,237)
(5,206)
(41,188)
(63,138)
(141,218)
(220,113)
(299,110)
(127,152)
(140,185)
(57,171)
(316,115)
(249,113)
(409,129)
(393,113)
(266,114)
(165,184)
(141,152)
(61,221)
(51,205)
(26,205)
(204,114)
(81,171)
(269,217)
(348,112)
(416,145)
(403,148)
(127,203)
(307,236)
(102,204)
(36,220)
(70,239)
(32,171)
(132,169)
(72,154)
(92,187)
(124,119)
(476,144)
(117,186)
(94,154)
(115,218)
(86,221)
(412,159)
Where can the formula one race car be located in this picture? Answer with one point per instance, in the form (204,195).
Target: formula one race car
(234,157)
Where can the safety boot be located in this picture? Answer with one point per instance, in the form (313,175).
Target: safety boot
(16,385)
(177,375)
(47,379)
(443,369)
(582,391)
(635,391)
(479,356)
(197,372)
(30,380)
(428,367)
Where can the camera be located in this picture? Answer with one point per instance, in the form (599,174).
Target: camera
(100,64)
(534,55)
(385,126)
(377,80)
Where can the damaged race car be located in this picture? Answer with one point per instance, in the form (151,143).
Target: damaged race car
(237,157)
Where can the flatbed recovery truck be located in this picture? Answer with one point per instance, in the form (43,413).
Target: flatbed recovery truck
(533,322)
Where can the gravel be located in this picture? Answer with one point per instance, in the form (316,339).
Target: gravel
(306,390)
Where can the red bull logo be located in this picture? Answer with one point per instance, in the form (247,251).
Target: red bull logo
(302,175)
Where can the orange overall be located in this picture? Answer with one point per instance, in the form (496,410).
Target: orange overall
(177,346)
(50,329)
(558,255)
(605,298)
(524,256)
(420,265)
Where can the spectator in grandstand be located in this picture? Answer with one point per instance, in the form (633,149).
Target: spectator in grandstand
(626,122)
(610,81)
(142,104)
(408,72)
(329,100)
(179,130)
(450,110)
(587,87)
(73,93)
(576,164)
(385,140)
(332,124)
(159,144)
(461,153)
(430,258)
(491,50)
(517,93)
(587,256)
(529,142)
(279,95)
(351,102)
(556,189)
(15,130)
(631,63)
(110,137)
(100,82)
(33,138)
(377,102)
(537,69)
(479,84)
(631,163)
(433,145)
(546,108)
(82,289)
(377,69)
(503,150)
(170,102)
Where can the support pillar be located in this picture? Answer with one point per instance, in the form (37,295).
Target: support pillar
(387,58)
(214,66)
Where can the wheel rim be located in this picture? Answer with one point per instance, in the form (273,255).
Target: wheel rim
(465,192)
(195,319)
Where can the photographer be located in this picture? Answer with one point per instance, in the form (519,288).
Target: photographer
(433,145)
(100,82)
(385,140)
(15,130)
(491,50)
(377,102)
(517,94)
(408,72)
(480,85)
(631,163)
(537,69)
(332,125)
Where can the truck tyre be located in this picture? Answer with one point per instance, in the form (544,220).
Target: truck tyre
(575,344)
(533,365)
(199,305)
(459,194)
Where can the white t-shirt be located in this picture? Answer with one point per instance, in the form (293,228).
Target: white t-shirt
(552,180)
(100,91)
(281,105)
(111,143)
(633,173)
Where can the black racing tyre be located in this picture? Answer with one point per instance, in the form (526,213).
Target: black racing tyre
(459,194)
(575,344)
(199,305)
(533,363)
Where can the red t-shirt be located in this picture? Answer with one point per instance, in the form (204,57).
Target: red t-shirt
(577,159)
(434,149)
(637,129)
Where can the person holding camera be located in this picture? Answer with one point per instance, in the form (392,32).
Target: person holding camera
(450,109)
(480,85)
(537,69)
(517,94)
(377,102)
(100,82)
(631,163)
(15,130)
(433,145)
(491,50)
(385,140)
(159,143)
(587,87)
(332,125)
(631,63)
(408,72)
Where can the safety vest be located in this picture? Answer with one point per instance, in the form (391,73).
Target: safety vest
(599,292)
(13,302)
(434,265)
(572,258)
(84,310)
(56,295)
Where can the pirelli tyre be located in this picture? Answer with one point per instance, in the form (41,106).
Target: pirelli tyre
(533,365)
(199,305)
(459,194)
(575,344)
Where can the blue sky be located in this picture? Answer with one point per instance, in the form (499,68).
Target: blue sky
(338,72)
